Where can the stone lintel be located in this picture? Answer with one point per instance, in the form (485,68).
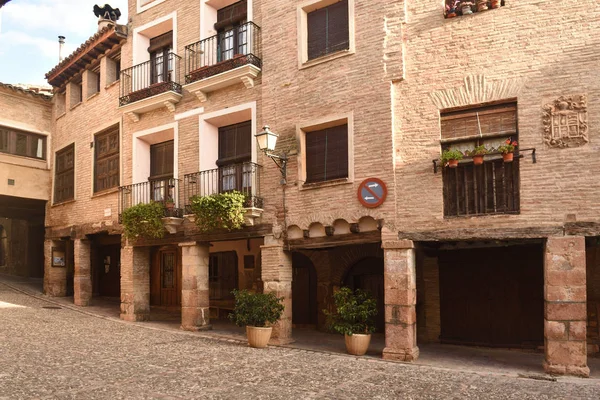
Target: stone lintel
(398,244)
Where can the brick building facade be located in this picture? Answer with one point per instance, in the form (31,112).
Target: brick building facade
(498,254)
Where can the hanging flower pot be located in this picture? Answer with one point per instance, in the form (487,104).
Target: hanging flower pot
(477,160)
(452,163)
(495,3)
(450,158)
(481,5)
(507,149)
(507,157)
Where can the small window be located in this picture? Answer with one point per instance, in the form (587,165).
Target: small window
(327,154)
(493,186)
(106,164)
(328,30)
(22,143)
(64,174)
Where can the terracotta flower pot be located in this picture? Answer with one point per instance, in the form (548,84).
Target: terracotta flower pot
(477,160)
(451,13)
(258,337)
(495,3)
(452,163)
(357,344)
(508,157)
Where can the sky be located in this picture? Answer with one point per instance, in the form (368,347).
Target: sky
(29,31)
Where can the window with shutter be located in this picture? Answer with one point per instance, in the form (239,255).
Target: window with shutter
(489,188)
(106,152)
(161,160)
(22,143)
(328,30)
(327,154)
(64,174)
(235,143)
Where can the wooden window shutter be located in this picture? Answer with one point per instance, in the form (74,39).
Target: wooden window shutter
(231,15)
(106,159)
(495,120)
(161,160)
(160,42)
(338,27)
(317,33)
(64,182)
(235,143)
(327,154)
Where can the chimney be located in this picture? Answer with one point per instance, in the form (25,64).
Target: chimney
(61,45)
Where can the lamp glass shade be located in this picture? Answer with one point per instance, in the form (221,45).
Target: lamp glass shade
(266,139)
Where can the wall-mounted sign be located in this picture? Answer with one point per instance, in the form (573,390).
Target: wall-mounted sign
(372,192)
(58,257)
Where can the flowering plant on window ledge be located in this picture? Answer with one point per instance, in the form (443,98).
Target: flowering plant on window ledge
(450,158)
(508,149)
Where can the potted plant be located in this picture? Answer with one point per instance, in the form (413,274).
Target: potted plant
(482,5)
(465,7)
(354,318)
(169,203)
(495,3)
(255,311)
(143,220)
(219,211)
(507,149)
(451,6)
(450,158)
(477,154)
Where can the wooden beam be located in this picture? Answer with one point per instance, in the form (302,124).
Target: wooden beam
(335,241)
(483,233)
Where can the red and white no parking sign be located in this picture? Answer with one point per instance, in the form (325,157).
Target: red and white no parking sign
(372,192)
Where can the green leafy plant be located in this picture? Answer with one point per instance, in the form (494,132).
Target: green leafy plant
(478,151)
(451,154)
(354,312)
(143,220)
(219,210)
(256,309)
(508,146)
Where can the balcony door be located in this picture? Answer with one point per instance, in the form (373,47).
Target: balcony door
(161,64)
(231,29)
(235,150)
(161,171)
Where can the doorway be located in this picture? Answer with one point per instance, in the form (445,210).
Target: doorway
(109,270)
(165,278)
(304,291)
(367,275)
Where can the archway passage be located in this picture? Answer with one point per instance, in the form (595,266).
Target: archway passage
(304,291)
(367,274)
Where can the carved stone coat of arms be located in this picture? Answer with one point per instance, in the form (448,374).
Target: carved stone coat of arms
(566,122)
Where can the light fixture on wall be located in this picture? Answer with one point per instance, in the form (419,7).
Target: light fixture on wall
(266,142)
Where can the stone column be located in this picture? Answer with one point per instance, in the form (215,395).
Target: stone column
(82,281)
(565,306)
(194,287)
(400,293)
(55,278)
(135,283)
(277,278)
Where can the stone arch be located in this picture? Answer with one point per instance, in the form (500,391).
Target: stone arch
(3,246)
(341,227)
(316,229)
(367,274)
(367,224)
(346,256)
(294,232)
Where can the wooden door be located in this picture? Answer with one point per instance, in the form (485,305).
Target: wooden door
(492,296)
(168,278)
(304,291)
(109,274)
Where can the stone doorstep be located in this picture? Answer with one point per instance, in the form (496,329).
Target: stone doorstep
(243,342)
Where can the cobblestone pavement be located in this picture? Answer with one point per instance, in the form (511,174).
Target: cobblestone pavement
(64,354)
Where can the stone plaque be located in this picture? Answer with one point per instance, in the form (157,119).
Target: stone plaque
(566,122)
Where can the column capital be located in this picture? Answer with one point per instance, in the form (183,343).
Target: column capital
(193,243)
(398,244)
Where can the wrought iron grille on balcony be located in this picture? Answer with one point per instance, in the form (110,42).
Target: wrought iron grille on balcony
(162,190)
(223,52)
(244,178)
(159,75)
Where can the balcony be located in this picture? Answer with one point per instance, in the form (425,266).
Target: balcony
(243,177)
(151,85)
(223,60)
(155,190)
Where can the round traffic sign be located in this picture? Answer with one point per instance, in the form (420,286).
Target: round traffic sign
(372,192)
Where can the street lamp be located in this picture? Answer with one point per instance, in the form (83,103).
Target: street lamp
(266,142)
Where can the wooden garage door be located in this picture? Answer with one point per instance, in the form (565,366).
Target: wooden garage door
(492,296)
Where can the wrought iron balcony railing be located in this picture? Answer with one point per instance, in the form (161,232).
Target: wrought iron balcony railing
(223,52)
(165,191)
(159,75)
(244,178)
